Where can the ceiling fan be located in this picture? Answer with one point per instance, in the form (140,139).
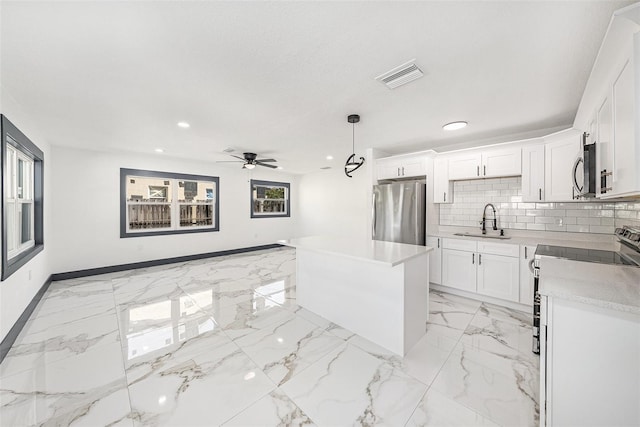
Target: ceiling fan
(250,161)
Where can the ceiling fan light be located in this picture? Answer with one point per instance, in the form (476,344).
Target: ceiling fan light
(249,166)
(455,125)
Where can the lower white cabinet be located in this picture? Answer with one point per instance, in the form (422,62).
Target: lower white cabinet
(459,269)
(435,260)
(589,370)
(526,275)
(498,276)
(491,269)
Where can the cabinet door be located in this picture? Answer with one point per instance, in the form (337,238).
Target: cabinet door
(441,184)
(465,166)
(435,260)
(459,269)
(499,276)
(533,173)
(559,157)
(526,275)
(625,152)
(604,142)
(413,167)
(504,162)
(387,169)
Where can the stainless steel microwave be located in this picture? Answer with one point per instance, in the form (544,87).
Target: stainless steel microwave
(584,170)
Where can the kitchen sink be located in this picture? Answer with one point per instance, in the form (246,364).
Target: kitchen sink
(482,236)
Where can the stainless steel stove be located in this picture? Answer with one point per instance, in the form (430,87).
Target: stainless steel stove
(628,255)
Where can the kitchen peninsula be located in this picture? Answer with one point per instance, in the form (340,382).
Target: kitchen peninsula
(378,290)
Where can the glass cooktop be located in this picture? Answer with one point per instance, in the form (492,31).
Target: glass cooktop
(584,255)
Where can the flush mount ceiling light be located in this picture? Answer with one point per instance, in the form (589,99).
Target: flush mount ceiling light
(184,125)
(329,157)
(352,165)
(455,125)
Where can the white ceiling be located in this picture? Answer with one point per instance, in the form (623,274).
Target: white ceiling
(279,78)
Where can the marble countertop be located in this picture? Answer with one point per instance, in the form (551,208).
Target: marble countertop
(376,251)
(615,287)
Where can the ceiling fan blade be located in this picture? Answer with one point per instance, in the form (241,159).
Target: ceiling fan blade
(266,160)
(266,165)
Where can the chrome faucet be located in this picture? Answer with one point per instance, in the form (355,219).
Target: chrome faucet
(484,218)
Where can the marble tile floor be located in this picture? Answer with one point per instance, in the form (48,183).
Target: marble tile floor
(222,341)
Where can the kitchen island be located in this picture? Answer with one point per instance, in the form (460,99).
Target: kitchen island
(378,290)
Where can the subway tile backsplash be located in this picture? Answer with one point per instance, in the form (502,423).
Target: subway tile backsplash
(470,197)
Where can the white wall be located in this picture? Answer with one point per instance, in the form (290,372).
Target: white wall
(17,291)
(86,210)
(330,203)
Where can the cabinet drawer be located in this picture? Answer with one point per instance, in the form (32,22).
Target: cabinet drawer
(499,249)
(459,244)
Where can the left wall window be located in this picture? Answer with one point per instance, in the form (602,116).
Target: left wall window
(22,184)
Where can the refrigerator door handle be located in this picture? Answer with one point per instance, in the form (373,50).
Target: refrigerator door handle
(373,216)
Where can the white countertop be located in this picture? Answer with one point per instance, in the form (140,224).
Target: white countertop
(602,244)
(615,287)
(388,253)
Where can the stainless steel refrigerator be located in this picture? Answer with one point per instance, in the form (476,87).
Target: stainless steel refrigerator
(399,212)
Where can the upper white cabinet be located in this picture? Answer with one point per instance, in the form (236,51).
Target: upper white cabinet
(559,158)
(485,164)
(442,187)
(502,162)
(610,107)
(401,167)
(464,165)
(533,173)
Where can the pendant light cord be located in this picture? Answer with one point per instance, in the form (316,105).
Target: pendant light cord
(353,138)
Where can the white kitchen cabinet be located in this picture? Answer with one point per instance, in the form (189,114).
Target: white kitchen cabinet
(401,167)
(485,164)
(533,173)
(483,267)
(498,273)
(442,187)
(560,155)
(589,370)
(459,269)
(498,276)
(435,260)
(465,165)
(501,162)
(625,179)
(526,275)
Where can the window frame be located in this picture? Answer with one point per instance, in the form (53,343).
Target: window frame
(12,136)
(125,173)
(286,185)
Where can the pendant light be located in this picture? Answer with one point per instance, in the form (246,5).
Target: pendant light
(351,164)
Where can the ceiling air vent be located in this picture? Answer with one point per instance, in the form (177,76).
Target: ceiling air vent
(228,150)
(324,168)
(401,75)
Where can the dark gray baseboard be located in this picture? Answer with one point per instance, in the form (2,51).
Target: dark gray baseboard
(8,341)
(156,262)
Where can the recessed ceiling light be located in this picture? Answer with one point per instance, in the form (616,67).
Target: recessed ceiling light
(454,125)
(184,125)
(280,167)
(329,157)
(159,150)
